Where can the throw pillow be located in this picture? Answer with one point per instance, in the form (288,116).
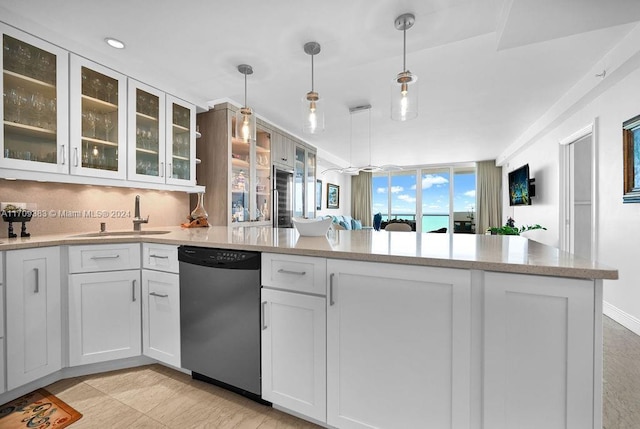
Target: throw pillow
(356,224)
(345,225)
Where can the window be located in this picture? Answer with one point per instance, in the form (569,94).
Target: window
(444,197)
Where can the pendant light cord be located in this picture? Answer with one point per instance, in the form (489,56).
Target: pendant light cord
(245,89)
(404,49)
(312,73)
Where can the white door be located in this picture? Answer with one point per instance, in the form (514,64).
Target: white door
(161,316)
(578,195)
(398,346)
(34,332)
(294,352)
(104,316)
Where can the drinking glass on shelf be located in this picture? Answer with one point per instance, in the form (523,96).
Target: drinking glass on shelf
(52,118)
(43,66)
(23,57)
(96,84)
(108,125)
(109,88)
(17,99)
(38,103)
(90,118)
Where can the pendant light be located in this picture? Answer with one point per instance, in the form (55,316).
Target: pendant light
(245,118)
(312,111)
(404,87)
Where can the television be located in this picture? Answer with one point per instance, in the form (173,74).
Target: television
(520,187)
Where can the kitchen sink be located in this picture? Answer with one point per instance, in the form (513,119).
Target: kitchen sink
(119,233)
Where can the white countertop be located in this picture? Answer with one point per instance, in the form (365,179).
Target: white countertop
(510,254)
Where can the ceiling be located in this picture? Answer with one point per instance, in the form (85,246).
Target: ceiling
(487,69)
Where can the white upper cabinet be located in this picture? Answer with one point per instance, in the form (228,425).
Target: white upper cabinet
(35,86)
(181,142)
(146,133)
(98,120)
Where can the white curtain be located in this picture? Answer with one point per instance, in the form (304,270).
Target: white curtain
(362,198)
(489,189)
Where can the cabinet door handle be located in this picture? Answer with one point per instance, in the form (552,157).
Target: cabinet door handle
(297,273)
(75,156)
(64,158)
(169,171)
(158,256)
(37,285)
(157,294)
(264,317)
(133,291)
(105,257)
(331,301)
(162,169)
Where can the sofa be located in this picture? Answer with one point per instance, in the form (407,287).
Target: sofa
(346,222)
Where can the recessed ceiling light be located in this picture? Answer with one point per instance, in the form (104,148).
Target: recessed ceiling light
(114,43)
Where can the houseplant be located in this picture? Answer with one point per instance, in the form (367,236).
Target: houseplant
(510,228)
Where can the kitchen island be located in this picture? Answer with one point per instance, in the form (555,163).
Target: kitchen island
(398,329)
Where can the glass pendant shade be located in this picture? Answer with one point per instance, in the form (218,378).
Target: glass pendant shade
(245,124)
(404,97)
(312,113)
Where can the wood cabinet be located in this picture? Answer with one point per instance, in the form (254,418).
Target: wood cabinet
(34,327)
(161,303)
(282,151)
(398,346)
(104,303)
(237,174)
(35,131)
(539,352)
(98,120)
(294,333)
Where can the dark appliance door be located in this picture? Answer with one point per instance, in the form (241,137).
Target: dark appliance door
(283,198)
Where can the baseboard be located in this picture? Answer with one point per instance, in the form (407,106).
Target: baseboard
(625,319)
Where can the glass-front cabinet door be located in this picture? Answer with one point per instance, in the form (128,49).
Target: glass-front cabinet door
(98,120)
(311,185)
(146,142)
(262,208)
(299,179)
(241,167)
(181,141)
(35,89)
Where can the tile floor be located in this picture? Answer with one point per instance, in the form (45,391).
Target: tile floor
(157,397)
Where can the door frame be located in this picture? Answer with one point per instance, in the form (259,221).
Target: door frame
(565,211)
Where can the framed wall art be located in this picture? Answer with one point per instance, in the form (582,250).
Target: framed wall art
(631,159)
(333,196)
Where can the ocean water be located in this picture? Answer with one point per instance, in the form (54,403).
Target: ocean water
(429,222)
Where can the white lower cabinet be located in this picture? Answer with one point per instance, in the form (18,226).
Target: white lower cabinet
(294,352)
(161,316)
(104,316)
(34,327)
(539,347)
(398,346)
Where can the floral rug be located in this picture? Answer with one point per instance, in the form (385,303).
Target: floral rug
(37,410)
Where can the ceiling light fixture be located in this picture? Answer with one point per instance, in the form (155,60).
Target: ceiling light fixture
(369,168)
(245,119)
(114,43)
(404,87)
(312,111)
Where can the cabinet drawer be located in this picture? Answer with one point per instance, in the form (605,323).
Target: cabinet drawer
(160,257)
(104,257)
(297,273)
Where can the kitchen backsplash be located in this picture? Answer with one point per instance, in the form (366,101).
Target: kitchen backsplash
(68,208)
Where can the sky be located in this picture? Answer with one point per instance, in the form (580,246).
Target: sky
(435,193)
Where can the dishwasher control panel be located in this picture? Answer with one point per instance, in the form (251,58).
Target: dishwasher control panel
(222,258)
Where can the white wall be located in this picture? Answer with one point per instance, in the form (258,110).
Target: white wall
(618,224)
(342,180)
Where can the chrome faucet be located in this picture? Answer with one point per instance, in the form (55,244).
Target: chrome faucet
(137,220)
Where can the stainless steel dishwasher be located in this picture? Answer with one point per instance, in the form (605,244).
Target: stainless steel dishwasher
(220,317)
